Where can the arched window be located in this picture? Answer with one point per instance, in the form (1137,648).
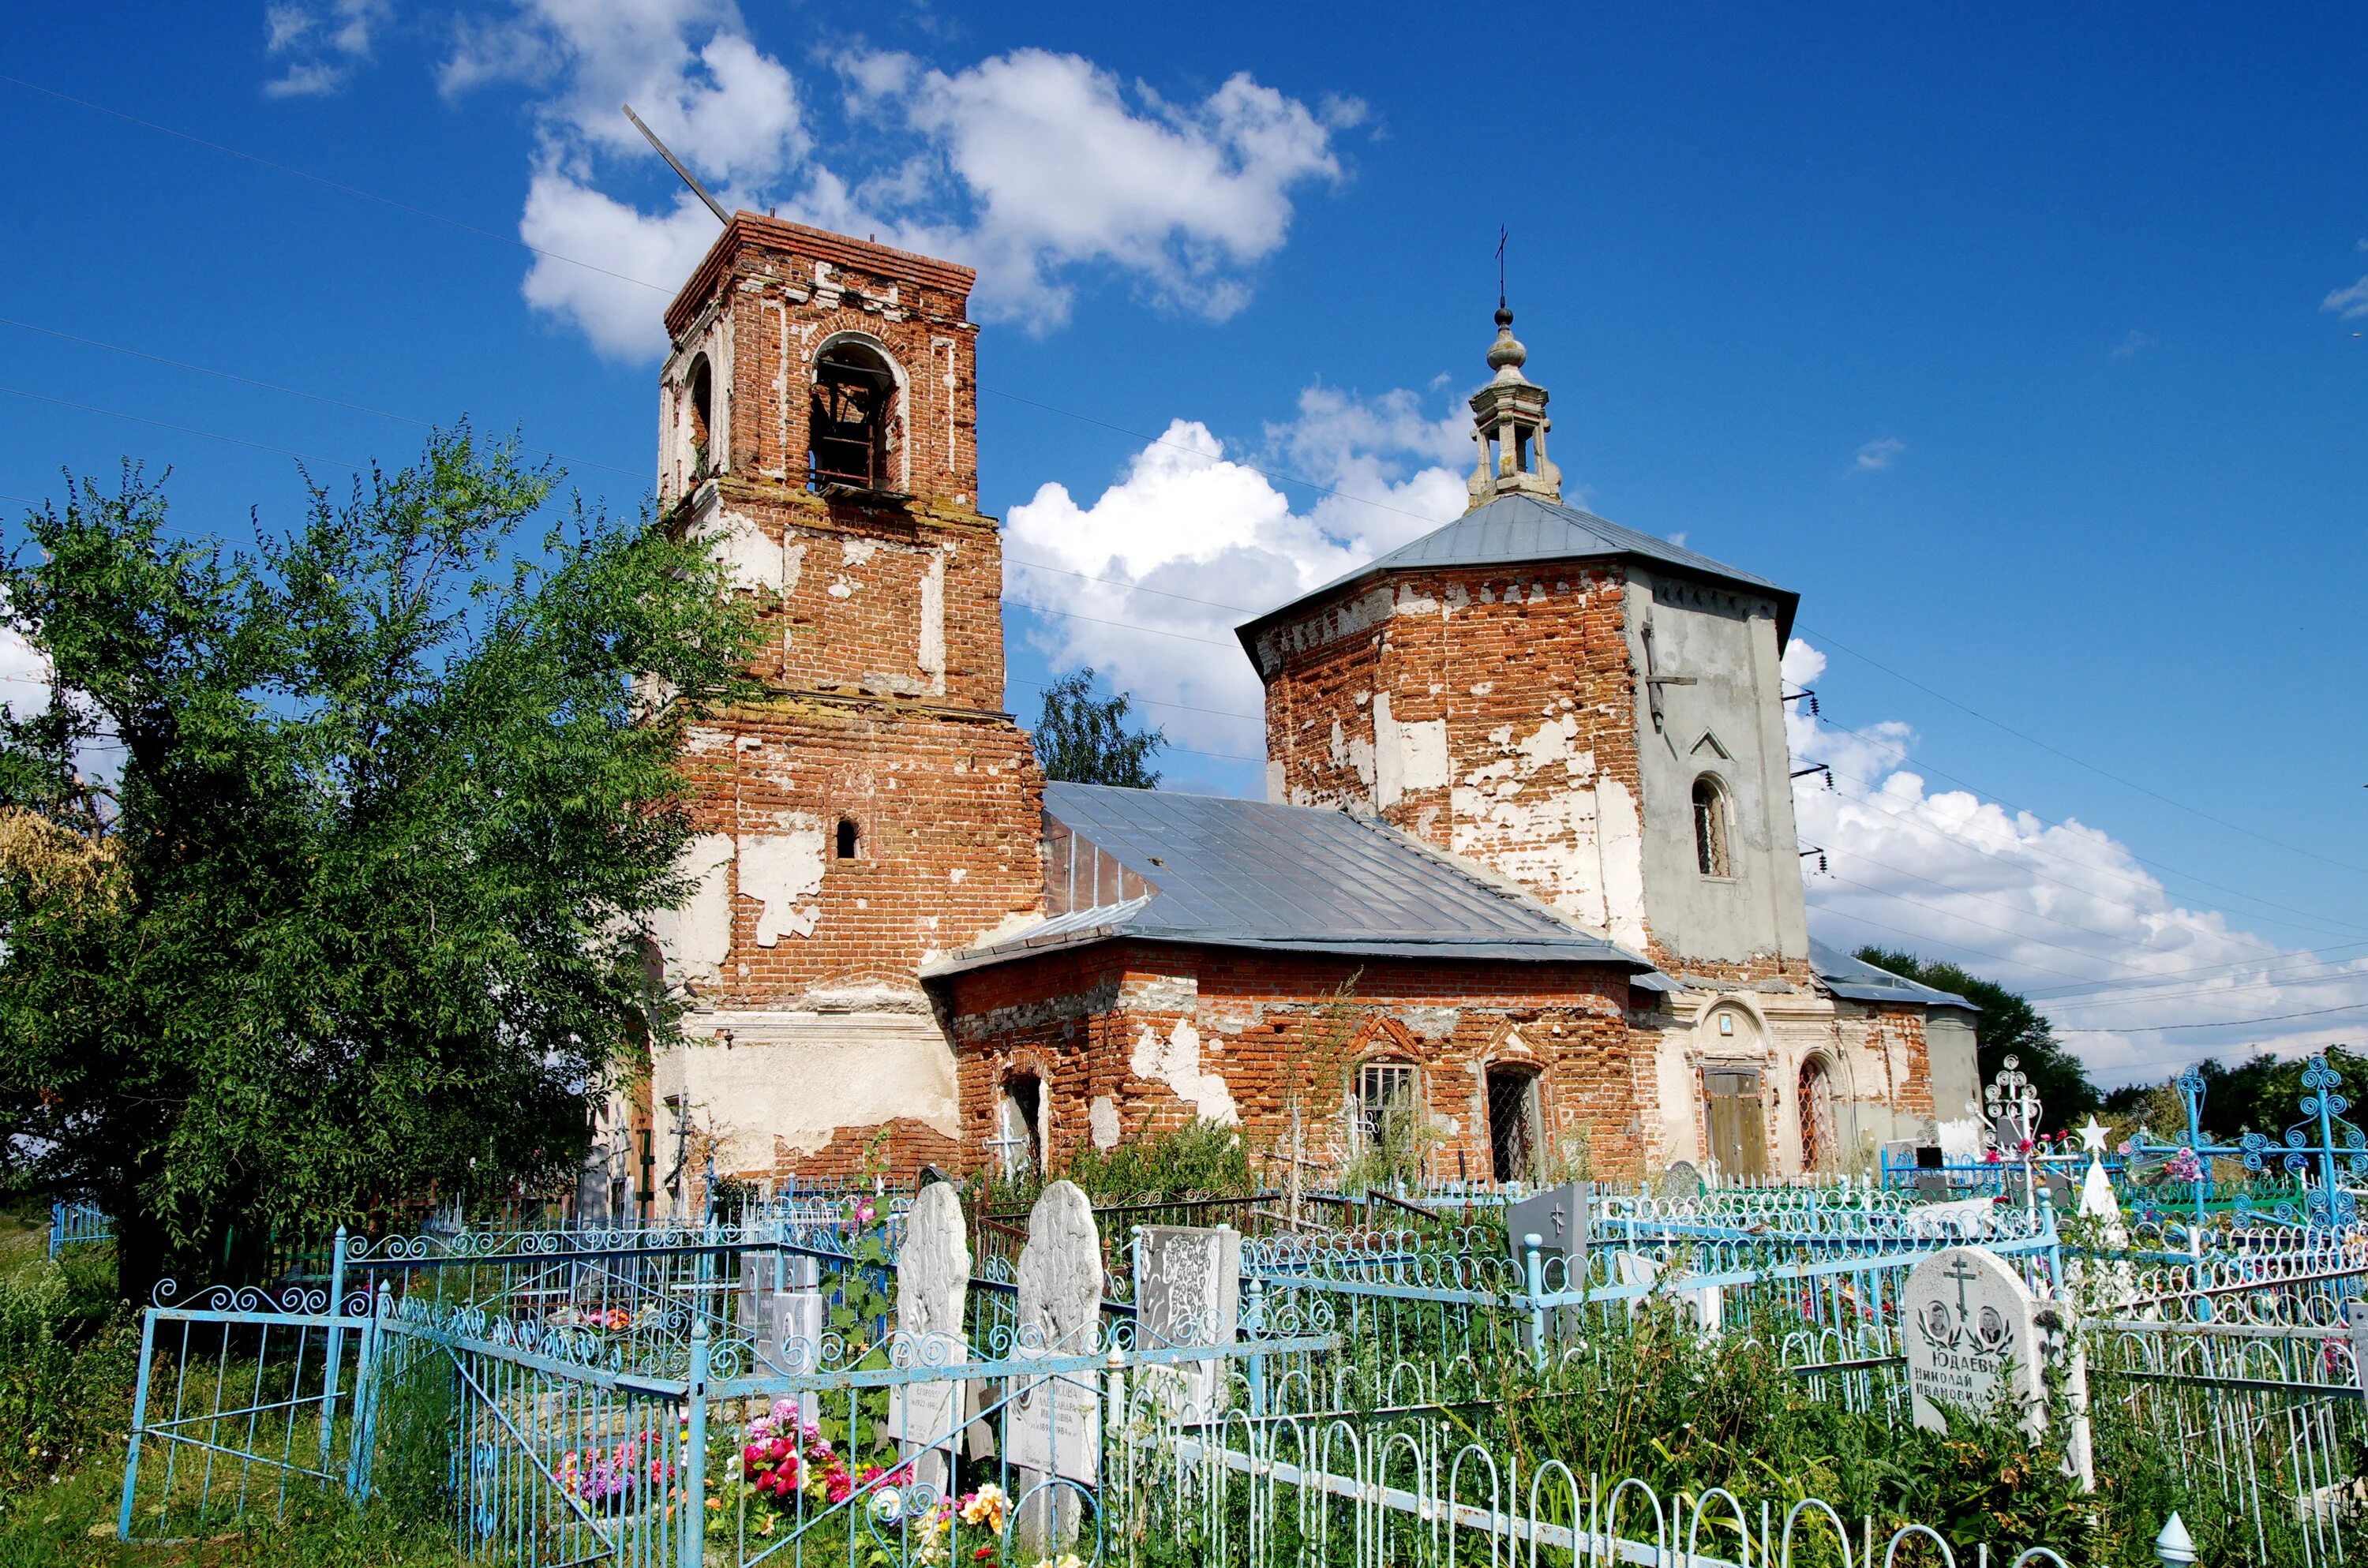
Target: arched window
(850,838)
(850,425)
(702,415)
(1513,1139)
(1710,828)
(1386,1101)
(1818,1150)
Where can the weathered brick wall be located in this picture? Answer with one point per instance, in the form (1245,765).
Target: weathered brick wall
(1490,712)
(785,290)
(1162,1034)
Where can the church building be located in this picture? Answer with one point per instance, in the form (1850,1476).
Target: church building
(1524,896)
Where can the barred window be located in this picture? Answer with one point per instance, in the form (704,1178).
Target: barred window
(1385,1102)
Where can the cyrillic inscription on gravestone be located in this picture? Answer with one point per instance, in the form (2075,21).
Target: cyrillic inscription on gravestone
(932,1273)
(1189,1294)
(1968,1329)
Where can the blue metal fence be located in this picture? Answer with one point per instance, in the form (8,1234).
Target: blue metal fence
(78,1223)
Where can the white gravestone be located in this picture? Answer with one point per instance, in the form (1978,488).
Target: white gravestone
(1052,1426)
(932,1281)
(1967,1327)
(782,1302)
(1188,1293)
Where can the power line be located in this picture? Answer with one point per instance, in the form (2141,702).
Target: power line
(182,429)
(2226,1024)
(333,185)
(2078,762)
(292,392)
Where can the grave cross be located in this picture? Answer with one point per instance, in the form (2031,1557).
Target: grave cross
(1964,1276)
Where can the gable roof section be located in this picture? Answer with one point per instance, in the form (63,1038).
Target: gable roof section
(1226,873)
(1861,982)
(1521,529)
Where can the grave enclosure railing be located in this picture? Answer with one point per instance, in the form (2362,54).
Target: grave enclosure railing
(577,1396)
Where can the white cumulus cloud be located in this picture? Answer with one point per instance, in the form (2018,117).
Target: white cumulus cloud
(316,47)
(1146,581)
(1032,166)
(2061,910)
(1878,454)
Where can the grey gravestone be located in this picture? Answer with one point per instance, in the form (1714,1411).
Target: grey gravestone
(933,1280)
(1681,1180)
(1188,1293)
(1560,1219)
(781,1300)
(1967,1327)
(2059,1191)
(1052,1426)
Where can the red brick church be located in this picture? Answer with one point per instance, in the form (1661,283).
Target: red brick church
(1525,889)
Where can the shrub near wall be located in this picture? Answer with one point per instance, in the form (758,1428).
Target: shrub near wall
(69,1354)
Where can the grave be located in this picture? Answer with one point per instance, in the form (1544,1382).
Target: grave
(1051,1426)
(1971,1340)
(932,1281)
(1188,1293)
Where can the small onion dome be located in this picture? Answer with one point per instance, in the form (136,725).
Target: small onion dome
(1507,352)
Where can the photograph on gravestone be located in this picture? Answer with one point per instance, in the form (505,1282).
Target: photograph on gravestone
(1970,1338)
(1188,1293)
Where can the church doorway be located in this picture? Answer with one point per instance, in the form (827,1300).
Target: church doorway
(1513,1123)
(1738,1125)
(1020,1139)
(1819,1147)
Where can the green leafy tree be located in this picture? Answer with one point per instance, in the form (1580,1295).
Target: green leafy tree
(2261,1094)
(322,875)
(1085,739)
(2008,1026)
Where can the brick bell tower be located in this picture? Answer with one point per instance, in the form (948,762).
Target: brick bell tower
(817,428)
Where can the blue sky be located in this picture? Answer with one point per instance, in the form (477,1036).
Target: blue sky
(2016,340)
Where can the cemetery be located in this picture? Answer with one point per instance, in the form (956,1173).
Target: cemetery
(1842,1371)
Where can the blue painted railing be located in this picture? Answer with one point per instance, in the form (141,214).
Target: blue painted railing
(78,1224)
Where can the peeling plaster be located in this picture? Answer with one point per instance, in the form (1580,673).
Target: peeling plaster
(932,656)
(755,561)
(696,935)
(780,868)
(1102,1119)
(1176,1063)
(1405,757)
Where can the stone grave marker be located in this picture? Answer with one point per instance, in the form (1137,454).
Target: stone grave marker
(932,1281)
(1968,1328)
(1681,1180)
(1052,1426)
(1560,1219)
(782,1302)
(1188,1293)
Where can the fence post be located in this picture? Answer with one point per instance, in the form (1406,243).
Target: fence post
(334,1363)
(1537,1279)
(362,1446)
(694,1454)
(139,1422)
(1258,1330)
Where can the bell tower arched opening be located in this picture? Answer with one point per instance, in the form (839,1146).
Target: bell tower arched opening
(851,426)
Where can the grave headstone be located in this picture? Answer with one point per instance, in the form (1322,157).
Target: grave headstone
(1681,1180)
(932,1278)
(782,1302)
(1561,1220)
(1970,1337)
(1060,1276)
(1188,1293)
(1052,1425)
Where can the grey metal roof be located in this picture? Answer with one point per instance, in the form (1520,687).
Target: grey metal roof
(1861,982)
(1516,528)
(1243,873)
